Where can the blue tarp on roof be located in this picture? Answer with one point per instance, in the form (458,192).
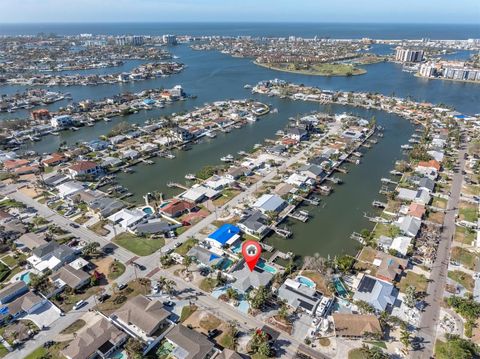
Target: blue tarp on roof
(213,257)
(224,233)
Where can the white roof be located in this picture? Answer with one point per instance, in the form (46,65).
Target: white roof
(78,263)
(401,244)
(69,188)
(127,217)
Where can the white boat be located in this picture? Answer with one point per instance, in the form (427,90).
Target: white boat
(106,119)
(190,176)
(251,118)
(74,128)
(247,86)
(227,158)
(242,153)
(211,134)
(90,124)
(56,133)
(170,155)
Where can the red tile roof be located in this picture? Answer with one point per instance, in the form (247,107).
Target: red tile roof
(83,166)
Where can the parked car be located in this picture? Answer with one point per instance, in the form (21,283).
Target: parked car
(168,303)
(103,297)
(212,333)
(74,225)
(122,286)
(79,304)
(48,344)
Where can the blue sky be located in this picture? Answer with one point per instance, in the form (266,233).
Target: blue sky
(416,11)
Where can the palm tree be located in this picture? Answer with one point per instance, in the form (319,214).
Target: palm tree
(187,262)
(231,294)
(169,286)
(405,338)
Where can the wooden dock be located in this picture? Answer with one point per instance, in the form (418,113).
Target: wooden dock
(379,204)
(178,185)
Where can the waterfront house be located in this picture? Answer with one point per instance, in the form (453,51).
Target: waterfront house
(69,188)
(224,236)
(218,182)
(380,294)
(67,276)
(401,245)
(96,145)
(254,223)
(300,180)
(12,291)
(416,210)
(384,242)
(110,162)
(127,218)
(436,155)
(105,206)
(406,194)
(428,169)
(54,179)
(283,189)
(388,267)
(297,133)
(143,318)
(299,296)
(422,196)
(312,171)
(115,140)
(100,339)
(246,279)
(427,184)
(177,207)
(198,193)
(270,203)
(205,257)
(189,344)
(355,326)
(61,121)
(408,225)
(51,255)
(85,168)
(129,154)
(235,173)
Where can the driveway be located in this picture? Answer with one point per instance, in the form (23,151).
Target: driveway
(45,315)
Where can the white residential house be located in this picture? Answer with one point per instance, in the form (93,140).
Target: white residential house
(127,218)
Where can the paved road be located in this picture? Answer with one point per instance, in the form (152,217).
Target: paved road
(430,318)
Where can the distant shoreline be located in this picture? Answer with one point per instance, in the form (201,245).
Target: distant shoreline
(445,79)
(360,71)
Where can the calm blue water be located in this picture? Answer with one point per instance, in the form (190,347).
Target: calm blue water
(332,30)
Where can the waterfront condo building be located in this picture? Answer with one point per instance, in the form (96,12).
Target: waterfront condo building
(408,55)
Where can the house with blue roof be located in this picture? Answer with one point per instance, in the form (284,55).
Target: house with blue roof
(226,235)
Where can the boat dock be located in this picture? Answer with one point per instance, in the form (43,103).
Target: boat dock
(283,232)
(335,180)
(379,204)
(388,180)
(358,237)
(178,185)
(396,173)
(376,219)
(299,215)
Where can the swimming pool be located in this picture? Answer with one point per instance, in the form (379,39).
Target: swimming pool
(266,267)
(225,264)
(340,288)
(147,210)
(120,355)
(25,277)
(305,281)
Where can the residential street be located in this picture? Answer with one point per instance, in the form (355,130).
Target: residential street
(430,318)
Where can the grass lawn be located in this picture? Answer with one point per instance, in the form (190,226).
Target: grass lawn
(135,287)
(367,254)
(419,281)
(5,272)
(440,347)
(226,196)
(472,190)
(462,278)
(436,217)
(51,353)
(388,230)
(116,270)
(186,246)
(74,327)
(379,344)
(12,273)
(98,228)
(357,353)
(9,261)
(439,202)
(465,235)
(82,219)
(67,301)
(227,341)
(468,212)
(208,284)
(209,322)
(138,245)
(319,279)
(3,351)
(465,257)
(187,311)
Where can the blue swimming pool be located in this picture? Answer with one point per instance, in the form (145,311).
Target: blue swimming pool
(147,210)
(25,277)
(266,267)
(225,264)
(120,355)
(340,288)
(305,281)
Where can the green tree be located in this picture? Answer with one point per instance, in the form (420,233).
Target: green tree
(90,249)
(134,348)
(345,263)
(410,298)
(456,347)
(187,262)
(259,297)
(405,338)
(259,344)
(231,293)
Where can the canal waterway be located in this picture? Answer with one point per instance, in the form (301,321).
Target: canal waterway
(214,76)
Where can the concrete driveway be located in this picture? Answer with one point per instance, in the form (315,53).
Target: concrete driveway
(45,315)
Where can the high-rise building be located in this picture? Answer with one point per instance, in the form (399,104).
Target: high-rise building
(408,55)
(170,39)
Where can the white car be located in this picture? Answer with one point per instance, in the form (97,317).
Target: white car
(79,304)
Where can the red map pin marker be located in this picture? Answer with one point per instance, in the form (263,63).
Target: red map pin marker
(251,251)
